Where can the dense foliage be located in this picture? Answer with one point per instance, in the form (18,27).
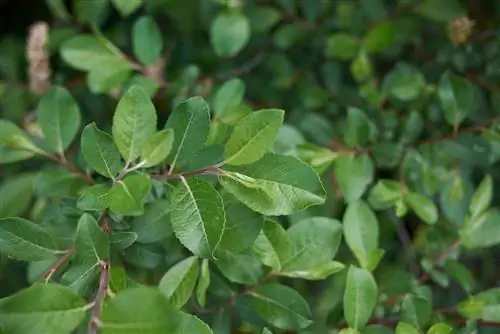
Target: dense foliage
(250,166)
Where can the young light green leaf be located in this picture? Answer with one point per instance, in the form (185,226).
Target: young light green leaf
(314,241)
(16,193)
(203,283)
(147,42)
(361,67)
(178,282)
(281,306)
(91,243)
(191,124)
(243,268)
(416,310)
(157,148)
(457,96)
(100,152)
(107,76)
(316,272)
(354,174)
(25,240)
(42,308)
(440,328)
(482,196)
(253,136)
(481,231)
(229,95)
(134,122)
(404,328)
(59,117)
(14,144)
(423,206)
(360,297)
(341,46)
(361,231)
(275,185)
(197,215)
(229,33)
(127,196)
(242,225)
(272,246)
(127,7)
(385,194)
(94,198)
(380,37)
(266,331)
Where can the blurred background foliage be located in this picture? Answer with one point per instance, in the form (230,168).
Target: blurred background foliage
(393,101)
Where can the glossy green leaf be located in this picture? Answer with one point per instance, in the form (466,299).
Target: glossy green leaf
(457,96)
(25,240)
(275,185)
(272,246)
(229,33)
(360,297)
(178,282)
(440,328)
(128,195)
(42,308)
(91,242)
(281,306)
(423,207)
(404,328)
(354,174)
(59,117)
(107,77)
(253,137)
(229,95)
(94,198)
(361,231)
(404,82)
(190,122)
(134,123)
(100,151)
(147,42)
(123,240)
(482,196)
(157,148)
(197,215)
(203,283)
(341,46)
(243,268)
(315,272)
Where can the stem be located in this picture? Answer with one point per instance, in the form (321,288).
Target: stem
(49,273)
(207,170)
(99,299)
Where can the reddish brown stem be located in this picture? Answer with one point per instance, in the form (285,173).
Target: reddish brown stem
(49,273)
(99,299)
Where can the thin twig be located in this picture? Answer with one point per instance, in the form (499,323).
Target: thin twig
(101,294)
(168,176)
(49,273)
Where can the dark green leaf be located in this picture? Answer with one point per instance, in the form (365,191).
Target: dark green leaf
(243,268)
(341,46)
(94,198)
(416,310)
(127,7)
(379,38)
(482,196)
(15,195)
(154,224)
(92,244)
(457,96)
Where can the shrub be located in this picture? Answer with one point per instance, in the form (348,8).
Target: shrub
(254,166)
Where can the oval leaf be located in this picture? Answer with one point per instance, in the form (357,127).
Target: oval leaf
(178,282)
(360,297)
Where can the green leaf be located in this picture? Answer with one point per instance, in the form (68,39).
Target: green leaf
(87,53)
(56,182)
(416,310)
(317,272)
(483,306)
(228,96)
(197,215)
(481,231)
(358,130)
(361,231)
(91,243)
(229,33)
(81,277)
(423,206)
(42,308)
(134,122)
(320,158)
(128,195)
(147,42)
(361,67)
(127,7)
(440,328)
(457,96)
(314,241)
(385,194)
(190,121)
(157,148)
(94,198)
(14,144)
(272,246)
(242,226)
(243,268)
(341,46)
(90,11)
(360,297)
(404,328)
(253,137)
(379,38)
(354,174)
(25,240)
(100,152)
(104,78)
(59,117)
(275,185)
(482,196)
(263,18)
(459,272)
(203,283)
(16,193)
(404,82)
(281,306)
(266,331)
(147,84)
(123,240)
(178,282)
(154,224)
(441,11)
